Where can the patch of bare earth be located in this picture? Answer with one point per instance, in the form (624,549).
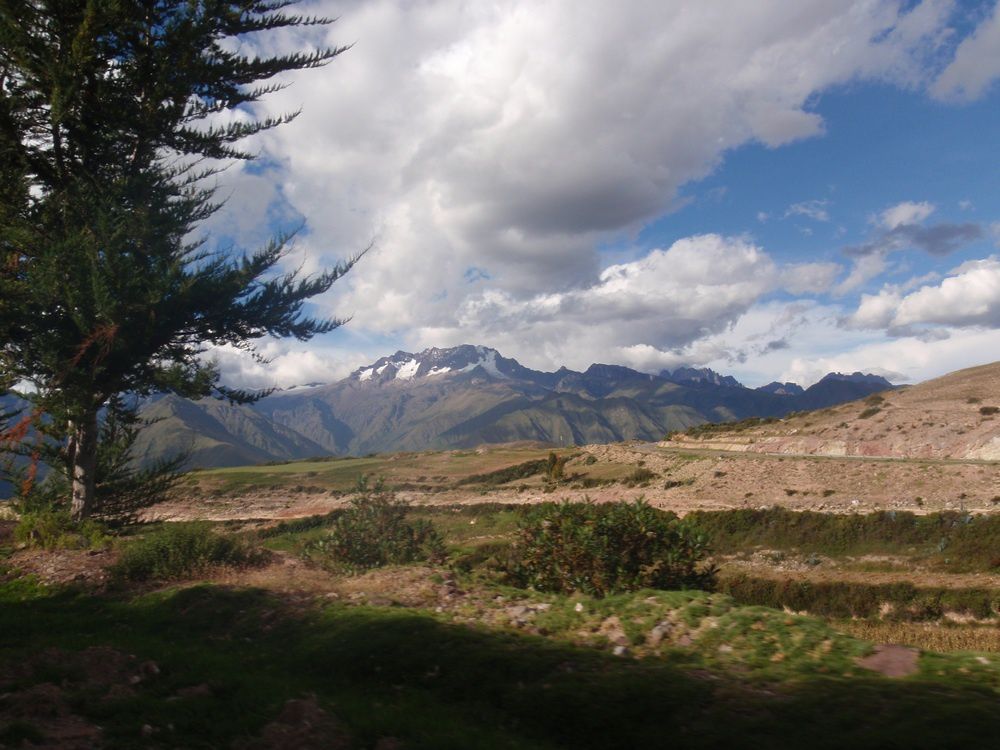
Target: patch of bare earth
(37,692)
(301,725)
(891,660)
(88,568)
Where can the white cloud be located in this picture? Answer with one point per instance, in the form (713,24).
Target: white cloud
(492,148)
(814,209)
(968,296)
(665,300)
(905,213)
(517,137)
(289,364)
(863,270)
(810,278)
(976,64)
(908,359)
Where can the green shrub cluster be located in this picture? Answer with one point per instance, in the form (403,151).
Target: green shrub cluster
(712,428)
(507,474)
(181,550)
(961,541)
(54,529)
(641,476)
(374,531)
(898,601)
(601,549)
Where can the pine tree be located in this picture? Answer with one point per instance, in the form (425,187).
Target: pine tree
(109,126)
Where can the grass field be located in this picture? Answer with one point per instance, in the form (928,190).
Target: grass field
(225,662)
(450,656)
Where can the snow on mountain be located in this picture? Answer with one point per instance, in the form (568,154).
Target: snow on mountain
(407,366)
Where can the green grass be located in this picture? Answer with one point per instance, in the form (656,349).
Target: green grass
(952,541)
(181,550)
(899,601)
(429,471)
(405,674)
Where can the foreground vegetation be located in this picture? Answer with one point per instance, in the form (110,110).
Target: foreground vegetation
(216,666)
(447,647)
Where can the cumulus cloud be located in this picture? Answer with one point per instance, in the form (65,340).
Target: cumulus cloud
(809,278)
(968,296)
(864,269)
(665,300)
(909,359)
(905,213)
(976,64)
(938,239)
(288,364)
(517,137)
(491,149)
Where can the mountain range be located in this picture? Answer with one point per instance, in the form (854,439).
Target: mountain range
(466,396)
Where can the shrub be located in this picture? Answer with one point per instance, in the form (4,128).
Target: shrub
(607,548)
(900,600)
(555,467)
(507,474)
(869,412)
(374,531)
(180,550)
(641,475)
(54,529)
(987,410)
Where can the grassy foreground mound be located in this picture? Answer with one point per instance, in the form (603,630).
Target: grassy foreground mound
(216,667)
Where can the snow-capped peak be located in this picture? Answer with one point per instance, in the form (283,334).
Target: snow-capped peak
(405,366)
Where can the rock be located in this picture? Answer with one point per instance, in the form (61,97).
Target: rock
(620,651)
(578,607)
(658,633)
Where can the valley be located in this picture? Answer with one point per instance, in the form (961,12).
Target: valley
(852,550)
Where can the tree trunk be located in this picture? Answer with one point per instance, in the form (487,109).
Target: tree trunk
(83,439)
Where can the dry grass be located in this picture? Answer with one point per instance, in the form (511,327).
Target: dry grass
(925,635)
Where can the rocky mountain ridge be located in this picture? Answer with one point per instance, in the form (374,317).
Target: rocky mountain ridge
(465,396)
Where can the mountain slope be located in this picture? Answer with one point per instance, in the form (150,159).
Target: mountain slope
(956,416)
(468,395)
(216,433)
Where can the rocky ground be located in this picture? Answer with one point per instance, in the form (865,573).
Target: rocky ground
(685,479)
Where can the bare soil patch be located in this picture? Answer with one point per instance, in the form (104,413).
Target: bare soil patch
(891,660)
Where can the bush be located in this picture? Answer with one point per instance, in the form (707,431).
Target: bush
(606,549)
(898,601)
(180,550)
(869,412)
(641,475)
(54,529)
(987,410)
(374,531)
(555,467)
(506,474)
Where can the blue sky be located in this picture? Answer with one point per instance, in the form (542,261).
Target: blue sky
(771,193)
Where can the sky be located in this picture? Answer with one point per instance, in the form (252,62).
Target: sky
(774,190)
